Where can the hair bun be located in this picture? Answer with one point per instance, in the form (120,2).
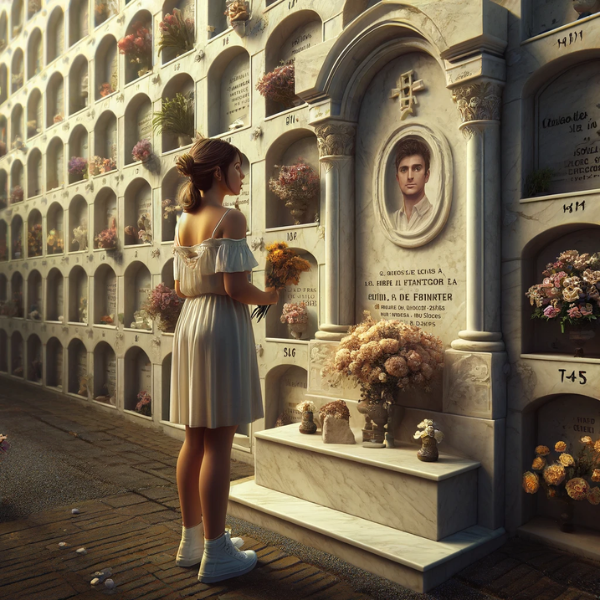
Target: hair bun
(185,165)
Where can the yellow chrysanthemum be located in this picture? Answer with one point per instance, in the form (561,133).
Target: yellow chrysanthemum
(531,482)
(538,463)
(577,488)
(593,495)
(586,439)
(560,446)
(566,460)
(554,474)
(542,450)
(596,475)
(597,446)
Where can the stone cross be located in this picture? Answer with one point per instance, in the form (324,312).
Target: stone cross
(406,90)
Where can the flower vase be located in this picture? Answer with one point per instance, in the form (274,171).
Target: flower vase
(566,516)
(239,27)
(297,329)
(580,336)
(308,425)
(297,209)
(429,450)
(183,139)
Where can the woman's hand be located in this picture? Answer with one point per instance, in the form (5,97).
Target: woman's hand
(274,295)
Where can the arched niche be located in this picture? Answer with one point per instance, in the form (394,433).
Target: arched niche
(294,34)
(34,53)
(16,354)
(78,295)
(166,274)
(55,100)
(77,368)
(78,148)
(105,374)
(16,124)
(229,91)
(138,376)
(137,282)
(3,83)
(105,211)
(78,20)
(554,14)
(33,7)
(285,387)
(16,182)
(180,84)
(138,212)
(34,173)
(105,140)
(16,237)
(3,241)
(242,200)
(106,67)
(3,288)
(287,150)
(165,396)
(308,292)
(541,336)
(34,359)
(105,296)
(17,14)
(138,124)
(35,118)
(55,167)
(17,70)
(3,351)
(78,234)
(55,36)
(3,189)
(187,8)
(216,18)
(55,229)
(35,234)
(78,84)
(55,296)
(16,286)
(104,11)
(54,363)
(3,31)
(34,295)
(140,25)
(171,183)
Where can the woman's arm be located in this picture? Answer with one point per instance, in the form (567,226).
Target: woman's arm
(178,290)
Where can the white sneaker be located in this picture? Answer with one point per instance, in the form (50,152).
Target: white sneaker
(222,560)
(191,547)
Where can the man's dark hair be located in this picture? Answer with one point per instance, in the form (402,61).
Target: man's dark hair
(410,147)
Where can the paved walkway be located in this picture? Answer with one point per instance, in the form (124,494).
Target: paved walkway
(136,533)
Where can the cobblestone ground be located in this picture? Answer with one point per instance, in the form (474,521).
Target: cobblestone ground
(121,477)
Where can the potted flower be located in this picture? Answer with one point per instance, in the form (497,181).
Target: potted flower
(106,89)
(137,47)
(430,437)
(176,117)
(16,194)
(144,404)
(568,479)
(99,165)
(177,33)
(296,185)
(279,85)
(164,305)
(296,316)
(54,242)
(538,183)
(80,235)
(107,238)
(34,240)
(142,150)
(77,167)
(171,209)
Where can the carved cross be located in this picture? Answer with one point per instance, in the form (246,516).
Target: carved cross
(405,91)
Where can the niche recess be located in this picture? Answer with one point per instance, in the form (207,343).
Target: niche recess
(104,9)
(34,295)
(55,36)
(288,149)
(34,359)
(77,367)
(138,124)
(35,243)
(217,21)
(16,354)
(17,70)
(55,100)
(16,124)
(78,84)
(3,242)
(285,387)
(34,173)
(3,83)
(3,288)
(170,189)
(78,147)
(55,229)
(17,15)
(138,212)
(54,296)
(54,363)
(105,137)
(187,12)
(34,53)
(107,68)
(539,18)
(3,31)
(16,181)
(134,70)
(166,274)
(78,233)
(35,118)
(165,388)
(105,211)
(16,286)
(55,159)
(138,376)
(105,296)
(105,374)
(138,282)
(78,295)
(3,189)
(78,20)
(16,237)
(3,351)
(180,84)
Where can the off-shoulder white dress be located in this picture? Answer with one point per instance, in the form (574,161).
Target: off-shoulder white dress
(214,372)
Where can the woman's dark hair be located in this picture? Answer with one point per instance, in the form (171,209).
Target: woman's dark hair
(411,147)
(200,165)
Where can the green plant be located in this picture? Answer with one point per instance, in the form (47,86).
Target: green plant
(538,182)
(176,116)
(177,33)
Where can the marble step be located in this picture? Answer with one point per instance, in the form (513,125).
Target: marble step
(388,486)
(410,560)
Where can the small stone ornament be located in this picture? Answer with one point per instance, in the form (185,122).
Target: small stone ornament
(430,437)
(308,425)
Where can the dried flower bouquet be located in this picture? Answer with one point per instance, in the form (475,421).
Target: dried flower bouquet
(144,404)
(34,240)
(107,238)
(296,185)
(164,305)
(279,85)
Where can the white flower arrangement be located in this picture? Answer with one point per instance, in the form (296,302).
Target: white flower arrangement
(427,428)
(306,406)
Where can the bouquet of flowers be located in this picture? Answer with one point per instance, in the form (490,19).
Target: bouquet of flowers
(107,320)
(142,150)
(106,89)
(80,235)
(237,10)
(57,118)
(54,242)
(570,291)
(285,268)
(99,165)
(164,305)
(294,313)
(279,85)
(427,428)
(34,240)
(78,166)
(177,33)
(170,208)
(144,405)
(387,356)
(4,445)
(107,238)
(137,46)
(16,194)
(296,185)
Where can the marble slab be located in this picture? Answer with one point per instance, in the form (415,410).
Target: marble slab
(410,560)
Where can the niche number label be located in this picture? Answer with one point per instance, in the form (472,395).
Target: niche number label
(287,352)
(580,377)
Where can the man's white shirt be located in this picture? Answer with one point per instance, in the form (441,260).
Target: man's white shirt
(421,213)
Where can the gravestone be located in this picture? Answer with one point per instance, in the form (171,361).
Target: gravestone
(302,38)
(292,390)
(144,126)
(111,296)
(235,92)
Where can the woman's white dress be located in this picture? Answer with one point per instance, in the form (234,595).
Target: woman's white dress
(214,372)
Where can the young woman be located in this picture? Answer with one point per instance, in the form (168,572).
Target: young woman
(214,377)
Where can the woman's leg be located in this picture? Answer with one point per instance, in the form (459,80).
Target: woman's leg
(188,475)
(214,479)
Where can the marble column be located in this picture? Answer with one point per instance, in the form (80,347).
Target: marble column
(336,151)
(479,104)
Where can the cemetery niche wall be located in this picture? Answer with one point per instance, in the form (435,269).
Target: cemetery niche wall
(337,91)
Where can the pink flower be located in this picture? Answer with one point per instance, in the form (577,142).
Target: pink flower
(586,310)
(574,313)
(551,312)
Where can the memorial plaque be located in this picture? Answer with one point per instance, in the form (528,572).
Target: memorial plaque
(60,99)
(145,122)
(235,92)
(111,295)
(568,121)
(303,37)
(144,204)
(292,390)
(145,373)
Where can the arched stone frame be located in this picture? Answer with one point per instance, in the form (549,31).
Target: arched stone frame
(137,282)
(35,113)
(78,20)
(138,124)
(132,70)
(55,99)
(55,227)
(78,146)
(3,250)
(55,35)
(78,84)
(276,400)
(55,164)
(384,182)
(35,54)
(187,8)
(17,70)
(16,181)
(34,225)
(3,30)
(106,67)
(17,285)
(77,367)
(78,241)
(4,87)
(16,124)
(34,173)
(55,287)
(105,212)
(16,354)
(138,377)
(35,359)
(105,374)
(78,296)
(54,363)
(3,279)
(138,211)
(35,295)
(105,296)
(181,83)
(106,136)
(17,250)
(17,17)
